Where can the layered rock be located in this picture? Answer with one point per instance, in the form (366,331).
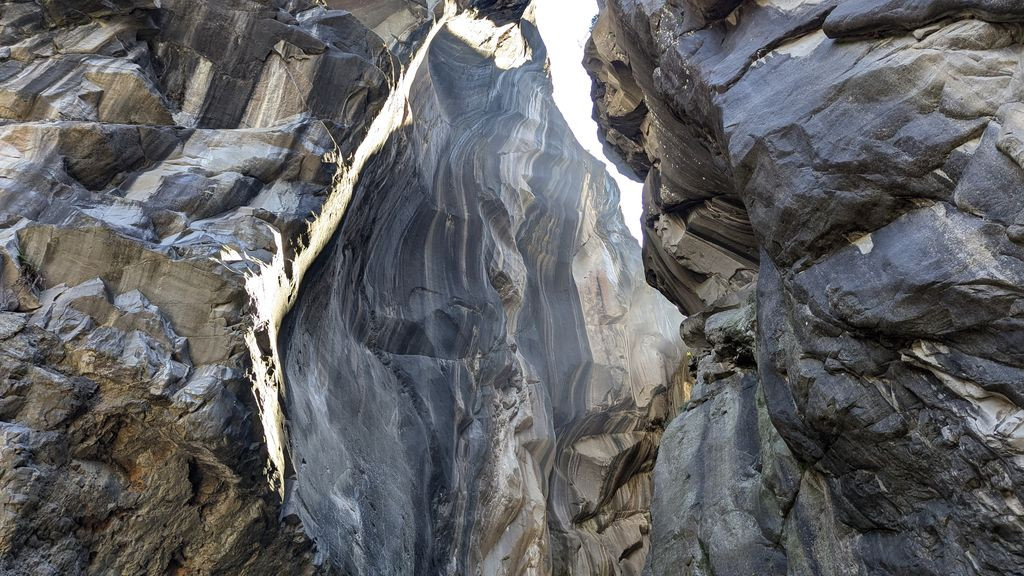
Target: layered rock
(476,374)
(141,143)
(474,378)
(862,159)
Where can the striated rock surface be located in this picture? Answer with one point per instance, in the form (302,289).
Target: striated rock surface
(499,11)
(476,374)
(858,165)
(140,142)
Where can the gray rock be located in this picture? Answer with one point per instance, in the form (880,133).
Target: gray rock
(155,154)
(500,11)
(97,468)
(473,377)
(495,372)
(862,158)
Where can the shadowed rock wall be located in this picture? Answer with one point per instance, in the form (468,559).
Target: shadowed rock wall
(858,163)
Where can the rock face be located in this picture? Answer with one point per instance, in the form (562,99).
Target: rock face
(138,141)
(857,165)
(474,377)
(476,374)
(499,11)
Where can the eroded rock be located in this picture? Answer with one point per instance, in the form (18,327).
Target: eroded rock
(140,143)
(477,331)
(477,378)
(857,162)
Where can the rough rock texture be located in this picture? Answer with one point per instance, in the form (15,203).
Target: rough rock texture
(474,379)
(140,141)
(860,163)
(725,480)
(477,333)
(119,457)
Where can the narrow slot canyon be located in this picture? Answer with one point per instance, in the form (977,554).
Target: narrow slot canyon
(500,287)
(479,336)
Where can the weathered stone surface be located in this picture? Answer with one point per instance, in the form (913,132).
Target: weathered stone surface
(477,332)
(862,158)
(501,11)
(140,143)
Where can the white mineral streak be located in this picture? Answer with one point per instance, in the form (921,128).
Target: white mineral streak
(786,5)
(864,244)
(803,45)
(993,416)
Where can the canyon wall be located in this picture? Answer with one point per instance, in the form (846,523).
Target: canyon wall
(140,142)
(833,196)
(476,373)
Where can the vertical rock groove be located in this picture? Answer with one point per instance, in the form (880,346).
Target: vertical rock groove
(273,286)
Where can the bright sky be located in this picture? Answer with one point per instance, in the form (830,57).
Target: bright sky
(565,27)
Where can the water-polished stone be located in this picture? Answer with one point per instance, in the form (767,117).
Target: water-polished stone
(476,373)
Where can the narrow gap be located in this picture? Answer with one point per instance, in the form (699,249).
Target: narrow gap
(565,28)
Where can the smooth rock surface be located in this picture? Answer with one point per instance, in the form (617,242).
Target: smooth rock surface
(859,163)
(478,334)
